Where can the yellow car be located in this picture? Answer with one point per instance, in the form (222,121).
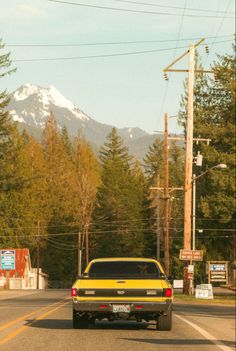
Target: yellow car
(122,288)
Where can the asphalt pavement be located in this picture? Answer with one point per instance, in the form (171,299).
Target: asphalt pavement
(42,321)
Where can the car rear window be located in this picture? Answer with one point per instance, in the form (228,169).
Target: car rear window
(127,269)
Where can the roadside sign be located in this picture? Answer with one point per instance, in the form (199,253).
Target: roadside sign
(190,268)
(178,284)
(191,255)
(218,271)
(204,291)
(7,259)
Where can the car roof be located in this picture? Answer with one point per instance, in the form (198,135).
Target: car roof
(124,259)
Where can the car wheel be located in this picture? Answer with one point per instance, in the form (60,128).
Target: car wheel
(165,322)
(80,322)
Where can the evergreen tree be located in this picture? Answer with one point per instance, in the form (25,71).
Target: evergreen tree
(154,165)
(66,141)
(154,162)
(118,214)
(214,118)
(59,198)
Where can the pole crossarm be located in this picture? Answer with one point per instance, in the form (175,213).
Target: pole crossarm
(186,70)
(170,190)
(181,56)
(194,139)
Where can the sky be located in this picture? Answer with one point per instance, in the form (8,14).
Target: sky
(115,88)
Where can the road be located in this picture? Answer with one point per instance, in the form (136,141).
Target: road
(42,321)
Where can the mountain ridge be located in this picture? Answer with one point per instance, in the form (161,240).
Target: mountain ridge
(30,106)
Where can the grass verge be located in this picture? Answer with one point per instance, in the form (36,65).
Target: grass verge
(217,300)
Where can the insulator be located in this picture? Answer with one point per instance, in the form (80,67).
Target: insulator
(166,77)
(207,49)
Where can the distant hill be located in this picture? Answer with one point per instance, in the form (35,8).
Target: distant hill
(30,106)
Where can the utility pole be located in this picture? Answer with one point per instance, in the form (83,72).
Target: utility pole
(87,243)
(167,234)
(38,232)
(189,154)
(194,213)
(158,220)
(166,192)
(79,254)
(189,150)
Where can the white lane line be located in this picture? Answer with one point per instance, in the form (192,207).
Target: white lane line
(207,335)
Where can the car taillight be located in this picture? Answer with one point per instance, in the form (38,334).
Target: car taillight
(168,292)
(73,292)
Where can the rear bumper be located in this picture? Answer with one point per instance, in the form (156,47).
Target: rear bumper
(135,307)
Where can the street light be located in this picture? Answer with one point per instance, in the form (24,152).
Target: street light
(219,166)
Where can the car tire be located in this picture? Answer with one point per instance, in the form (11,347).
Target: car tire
(80,322)
(164,322)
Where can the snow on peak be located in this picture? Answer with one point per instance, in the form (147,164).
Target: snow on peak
(58,99)
(48,96)
(25,91)
(130,133)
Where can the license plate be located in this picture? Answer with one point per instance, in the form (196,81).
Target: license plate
(121,308)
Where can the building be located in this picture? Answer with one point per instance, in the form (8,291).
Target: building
(16,271)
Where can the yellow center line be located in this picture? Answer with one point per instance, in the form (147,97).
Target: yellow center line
(4,326)
(21,329)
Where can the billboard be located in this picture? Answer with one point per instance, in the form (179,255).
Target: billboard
(7,259)
(218,271)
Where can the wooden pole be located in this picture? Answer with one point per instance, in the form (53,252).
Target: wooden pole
(79,254)
(167,238)
(188,168)
(158,219)
(189,154)
(38,231)
(87,243)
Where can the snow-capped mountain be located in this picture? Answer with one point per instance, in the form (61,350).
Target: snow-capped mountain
(30,106)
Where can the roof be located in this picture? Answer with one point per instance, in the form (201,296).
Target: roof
(124,259)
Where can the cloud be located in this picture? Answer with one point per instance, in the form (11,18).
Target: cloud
(23,10)
(29,10)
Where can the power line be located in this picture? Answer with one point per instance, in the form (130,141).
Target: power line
(103,55)
(178,39)
(204,237)
(170,7)
(133,11)
(117,231)
(113,223)
(116,42)
(219,28)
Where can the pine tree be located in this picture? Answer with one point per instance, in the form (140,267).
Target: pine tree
(59,199)
(154,162)
(118,214)
(13,180)
(66,141)
(154,165)
(7,129)
(214,118)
